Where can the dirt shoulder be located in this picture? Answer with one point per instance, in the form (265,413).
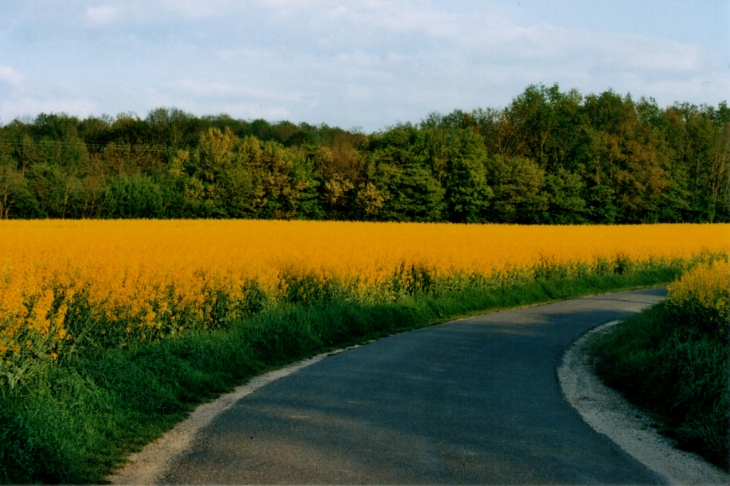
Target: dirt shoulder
(607,412)
(418,367)
(148,465)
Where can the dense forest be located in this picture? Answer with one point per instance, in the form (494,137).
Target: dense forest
(550,157)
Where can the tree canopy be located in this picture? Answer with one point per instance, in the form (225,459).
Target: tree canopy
(549,157)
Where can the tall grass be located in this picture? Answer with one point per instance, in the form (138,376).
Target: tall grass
(110,332)
(75,420)
(66,285)
(674,361)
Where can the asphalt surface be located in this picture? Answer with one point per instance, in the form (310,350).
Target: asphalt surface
(471,401)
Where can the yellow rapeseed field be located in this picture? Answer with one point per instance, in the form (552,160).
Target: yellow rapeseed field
(142,277)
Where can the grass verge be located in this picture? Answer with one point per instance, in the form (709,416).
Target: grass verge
(76,422)
(675,372)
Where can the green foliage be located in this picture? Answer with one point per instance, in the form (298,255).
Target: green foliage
(517,184)
(58,192)
(549,157)
(410,194)
(16,200)
(460,161)
(674,371)
(75,422)
(398,178)
(565,198)
(135,196)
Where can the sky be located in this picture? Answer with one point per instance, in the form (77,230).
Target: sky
(356,64)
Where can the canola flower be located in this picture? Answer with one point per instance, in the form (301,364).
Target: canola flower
(140,280)
(702,295)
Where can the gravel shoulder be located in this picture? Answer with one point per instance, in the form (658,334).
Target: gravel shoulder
(607,412)
(152,462)
(490,343)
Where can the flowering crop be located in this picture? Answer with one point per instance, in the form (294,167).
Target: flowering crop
(139,280)
(701,297)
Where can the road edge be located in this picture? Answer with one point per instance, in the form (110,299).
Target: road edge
(608,413)
(149,465)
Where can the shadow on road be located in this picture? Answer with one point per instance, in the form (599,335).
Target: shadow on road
(472,401)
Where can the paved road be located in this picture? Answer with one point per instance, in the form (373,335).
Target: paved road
(472,401)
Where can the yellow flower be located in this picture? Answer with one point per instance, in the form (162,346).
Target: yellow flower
(704,288)
(141,273)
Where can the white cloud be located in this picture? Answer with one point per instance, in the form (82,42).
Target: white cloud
(431,39)
(252,111)
(11,76)
(197,8)
(391,16)
(101,16)
(216,89)
(367,63)
(639,53)
(17,107)
(696,87)
(208,89)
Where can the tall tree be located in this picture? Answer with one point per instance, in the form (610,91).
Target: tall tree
(457,158)
(407,189)
(517,183)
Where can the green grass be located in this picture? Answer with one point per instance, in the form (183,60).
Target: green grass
(667,366)
(75,422)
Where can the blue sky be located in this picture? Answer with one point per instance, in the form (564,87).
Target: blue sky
(364,63)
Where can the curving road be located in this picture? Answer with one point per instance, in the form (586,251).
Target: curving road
(471,401)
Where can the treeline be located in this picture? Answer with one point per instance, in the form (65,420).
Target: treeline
(550,157)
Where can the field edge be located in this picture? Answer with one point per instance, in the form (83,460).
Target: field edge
(77,423)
